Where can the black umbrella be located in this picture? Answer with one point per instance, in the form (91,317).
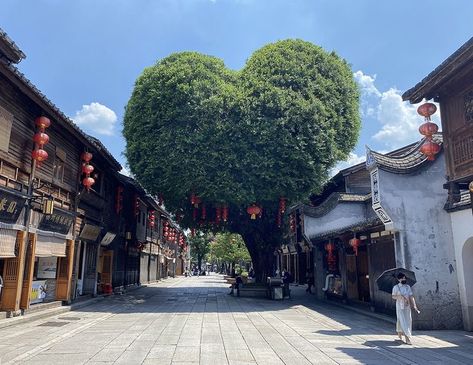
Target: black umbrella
(388,279)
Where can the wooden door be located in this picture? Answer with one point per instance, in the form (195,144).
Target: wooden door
(29,271)
(363,274)
(352,277)
(107,262)
(64,273)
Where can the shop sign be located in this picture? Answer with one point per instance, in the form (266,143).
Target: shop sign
(38,291)
(376,200)
(60,222)
(10,207)
(47,267)
(90,232)
(108,238)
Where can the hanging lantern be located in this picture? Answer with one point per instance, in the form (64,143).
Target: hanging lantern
(282,205)
(218,215)
(42,123)
(39,155)
(355,243)
(88,182)
(292,223)
(279,219)
(204,212)
(87,169)
(137,206)
(428,129)
(86,156)
(427,110)
(151,218)
(225,213)
(195,200)
(430,149)
(331,258)
(41,138)
(253,210)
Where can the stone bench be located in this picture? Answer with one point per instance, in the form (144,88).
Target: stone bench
(254,291)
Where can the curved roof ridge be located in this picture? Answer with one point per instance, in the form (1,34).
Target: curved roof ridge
(404,163)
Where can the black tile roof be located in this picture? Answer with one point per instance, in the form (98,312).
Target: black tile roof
(405,163)
(330,203)
(8,48)
(357,227)
(427,88)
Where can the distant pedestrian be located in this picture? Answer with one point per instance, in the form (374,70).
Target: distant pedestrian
(309,278)
(286,280)
(404,297)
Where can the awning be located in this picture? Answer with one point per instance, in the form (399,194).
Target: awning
(7,243)
(90,232)
(47,246)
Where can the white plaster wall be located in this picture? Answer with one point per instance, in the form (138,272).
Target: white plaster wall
(415,204)
(462,225)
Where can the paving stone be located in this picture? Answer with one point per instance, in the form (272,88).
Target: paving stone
(201,324)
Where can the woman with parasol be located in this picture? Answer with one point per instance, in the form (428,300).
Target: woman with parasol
(402,294)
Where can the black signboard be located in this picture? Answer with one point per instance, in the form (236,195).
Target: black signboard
(10,207)
(60,221)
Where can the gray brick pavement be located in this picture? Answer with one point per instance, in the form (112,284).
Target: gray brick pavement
(194,321)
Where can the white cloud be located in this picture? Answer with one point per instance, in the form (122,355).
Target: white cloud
(353,159)
(125,171)
(97,118)
(398,119)
(366,83)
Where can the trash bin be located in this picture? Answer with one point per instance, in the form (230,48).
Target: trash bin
(276,293)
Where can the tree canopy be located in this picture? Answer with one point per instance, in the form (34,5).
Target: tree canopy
(229,248)
(234,138)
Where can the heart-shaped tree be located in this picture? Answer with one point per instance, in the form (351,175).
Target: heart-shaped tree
(214,142)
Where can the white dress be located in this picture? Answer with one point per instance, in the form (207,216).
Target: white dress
(403,310)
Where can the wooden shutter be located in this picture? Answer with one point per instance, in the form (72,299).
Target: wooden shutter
(6,121)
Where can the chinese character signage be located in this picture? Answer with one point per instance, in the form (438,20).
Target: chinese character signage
(60,221)
(376,200)
(10,207)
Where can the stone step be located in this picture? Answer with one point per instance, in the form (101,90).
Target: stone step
(42,306)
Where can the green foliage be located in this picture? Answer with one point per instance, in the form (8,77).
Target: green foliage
(199,247)
(273,129)
(229,248)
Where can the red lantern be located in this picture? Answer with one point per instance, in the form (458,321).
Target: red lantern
(119,199)
(282,205)
(39,155)
(331,258)
(86,156)
(42,123)
(195,200)
(88,182)
(253,210)
(225,213)
(218,215)
(278,219)
(151,218)
(428,129)
(427,109)
(292,223)
(41,138)
(87,169)
(355,243)
(430,149)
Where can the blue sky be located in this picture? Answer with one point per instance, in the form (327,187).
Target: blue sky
(86,54)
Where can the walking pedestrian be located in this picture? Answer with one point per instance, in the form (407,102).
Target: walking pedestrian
(286,280)
(310,281)
(402,294)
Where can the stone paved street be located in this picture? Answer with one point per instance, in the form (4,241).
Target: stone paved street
(194,321)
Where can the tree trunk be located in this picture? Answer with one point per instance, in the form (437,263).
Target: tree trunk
(262,254)
(199,262)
